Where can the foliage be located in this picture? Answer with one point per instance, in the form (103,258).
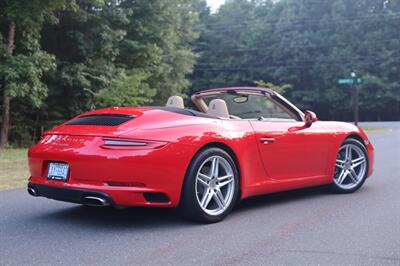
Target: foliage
(119,53)
(281,89)
(309,44)
(22,75)
(23,63)
(90,54)
(127,90)
(71,56)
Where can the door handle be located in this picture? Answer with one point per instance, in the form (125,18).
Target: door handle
(267,140)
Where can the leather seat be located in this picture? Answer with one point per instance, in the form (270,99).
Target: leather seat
(175,102)
(218,108)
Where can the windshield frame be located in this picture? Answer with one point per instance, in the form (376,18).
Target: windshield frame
(292,110)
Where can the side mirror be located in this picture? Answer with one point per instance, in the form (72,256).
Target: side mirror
(309,118)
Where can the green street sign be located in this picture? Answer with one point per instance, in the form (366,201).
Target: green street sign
(345,81)
(350,81)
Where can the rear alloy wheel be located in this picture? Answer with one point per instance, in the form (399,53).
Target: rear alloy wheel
(351,167)
(211,186)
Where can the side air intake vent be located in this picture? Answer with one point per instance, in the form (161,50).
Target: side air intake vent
(101,120)
(156,197)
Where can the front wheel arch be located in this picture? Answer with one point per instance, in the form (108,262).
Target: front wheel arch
(356,137)
(338,188)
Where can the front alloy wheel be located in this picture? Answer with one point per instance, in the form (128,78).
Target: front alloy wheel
(351,167)
(215,185)
(211,186)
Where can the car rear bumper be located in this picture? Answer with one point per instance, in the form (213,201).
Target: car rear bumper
(89,197)
(98,195)
(129,177)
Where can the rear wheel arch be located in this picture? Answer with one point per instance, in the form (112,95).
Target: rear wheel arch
(211,202)
(225,148)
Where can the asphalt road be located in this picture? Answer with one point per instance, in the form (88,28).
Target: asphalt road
(308,226)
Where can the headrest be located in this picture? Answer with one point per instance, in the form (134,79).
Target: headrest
(175,101)
(217,107)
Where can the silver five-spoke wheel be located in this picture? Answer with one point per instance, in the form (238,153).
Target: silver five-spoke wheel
(351,166)
(211,187)
(215,185)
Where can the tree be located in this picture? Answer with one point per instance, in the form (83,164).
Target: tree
(85,43)
(118,53)
(59,58)
(281,89)
(309,44)
(126,90)
(158,42)
(71,57)
(23,62)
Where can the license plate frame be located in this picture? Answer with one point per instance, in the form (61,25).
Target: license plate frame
(58,171)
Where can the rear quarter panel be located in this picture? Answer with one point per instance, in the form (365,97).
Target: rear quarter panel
(191,134)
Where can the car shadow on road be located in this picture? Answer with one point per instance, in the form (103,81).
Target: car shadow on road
(278,198)
(139,217)
(142,217)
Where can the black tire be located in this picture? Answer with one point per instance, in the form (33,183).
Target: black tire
(189,207)
(341,190)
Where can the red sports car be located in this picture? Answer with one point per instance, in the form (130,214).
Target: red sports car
(242,142)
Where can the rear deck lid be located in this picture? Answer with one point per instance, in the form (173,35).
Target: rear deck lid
(105,122)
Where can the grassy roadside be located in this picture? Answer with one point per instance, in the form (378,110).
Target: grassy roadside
(376,130)
(13,168)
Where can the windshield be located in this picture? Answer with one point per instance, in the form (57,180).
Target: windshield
(251,106)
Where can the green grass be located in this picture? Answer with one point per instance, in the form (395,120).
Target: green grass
(376,130)
(13,168)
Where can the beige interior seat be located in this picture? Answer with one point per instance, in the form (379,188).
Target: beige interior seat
(217,107)
(176,102)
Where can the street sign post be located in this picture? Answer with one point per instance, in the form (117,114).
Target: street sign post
(353,82)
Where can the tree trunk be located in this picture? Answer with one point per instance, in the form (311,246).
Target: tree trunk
(5,114)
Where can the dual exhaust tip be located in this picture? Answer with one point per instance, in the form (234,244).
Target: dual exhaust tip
(32,191)
(95,201)
(87,200)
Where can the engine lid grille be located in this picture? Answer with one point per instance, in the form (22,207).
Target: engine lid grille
(101,120)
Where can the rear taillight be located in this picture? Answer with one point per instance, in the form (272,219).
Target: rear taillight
(117,144)
(111,142)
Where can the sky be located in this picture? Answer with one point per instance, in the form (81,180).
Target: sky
(214,4)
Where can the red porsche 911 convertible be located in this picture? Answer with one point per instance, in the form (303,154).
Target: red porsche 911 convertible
(242,142)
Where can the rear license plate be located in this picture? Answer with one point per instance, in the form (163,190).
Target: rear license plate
(58,171)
